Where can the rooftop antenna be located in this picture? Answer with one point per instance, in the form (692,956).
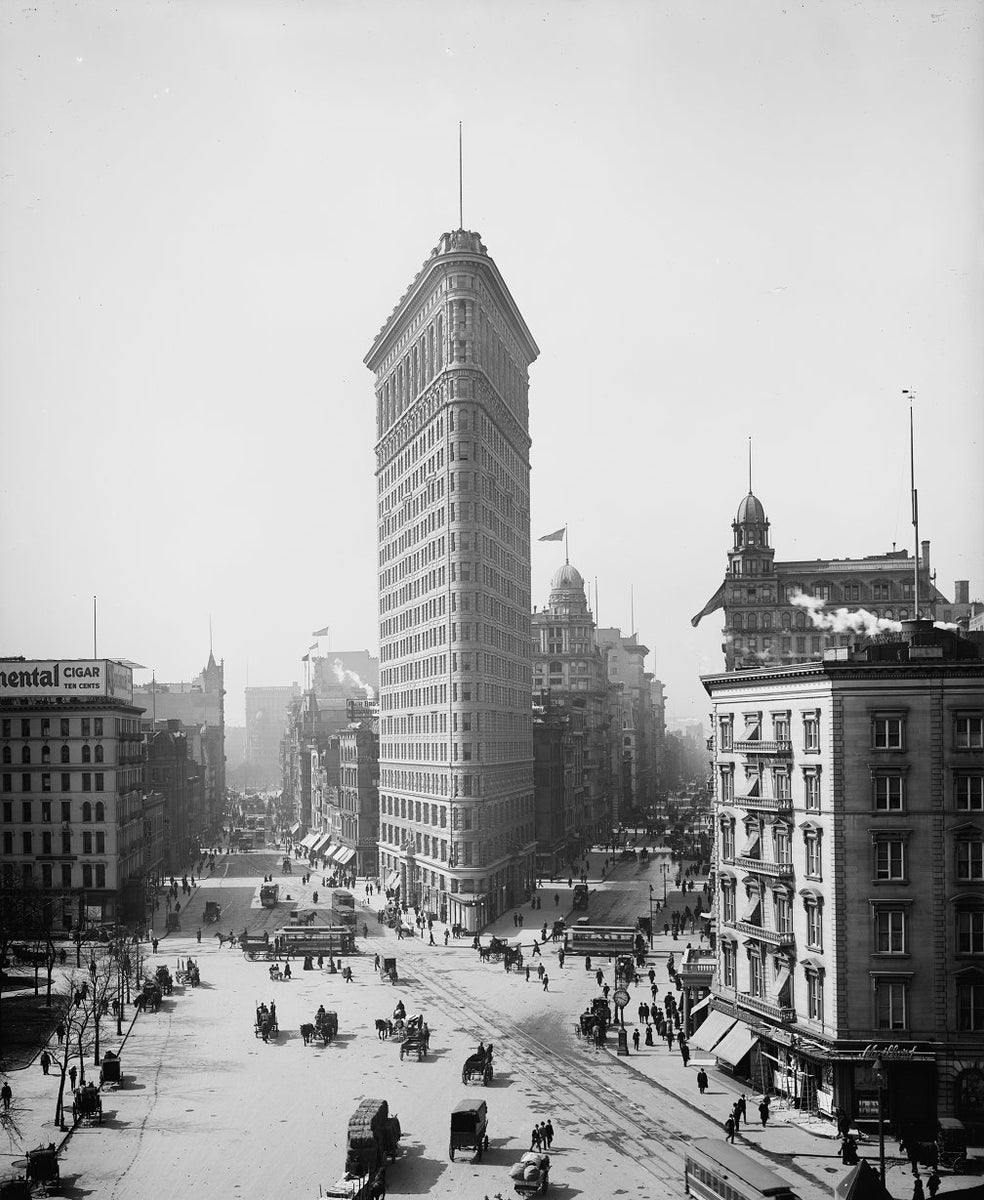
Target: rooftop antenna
(915,497)
(461,190)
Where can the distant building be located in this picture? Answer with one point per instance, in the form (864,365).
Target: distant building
(176,774)
(199,707)
(345,799)
(763,626)
(850,878)
(633,723)
(77,828)
(266,718)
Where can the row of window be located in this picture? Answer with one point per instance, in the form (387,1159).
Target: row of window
(93,875)
(91,843)
(888,787)
(888,730)
(91,782)
(90,812)
(89,754)
(42,726)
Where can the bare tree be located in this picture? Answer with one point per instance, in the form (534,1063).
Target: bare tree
(81,1002)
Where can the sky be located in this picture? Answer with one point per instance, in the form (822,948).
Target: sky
(720,221)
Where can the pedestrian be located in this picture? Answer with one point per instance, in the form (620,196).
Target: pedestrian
(535,1138)
(600,977)
(45,1061)
(60,1032)
(917,1189)
(729,1129)
(742,1108)
(543,1135)
(560,957)
(154,942)
(92,969)
(447,935)
(199,935)
(654,991)
(432,942)
(527,972)
(72,1072)
(669,1036)
(556,899)
(605,990)
(287,970)
(933,1183)
(680,1039)
(764,1111)
(849,1152)
(702,1081)
(736,1113)
(546,981)
(549,1130)
(843,1122)
(649,1035)
(539,971)
(536,947)
(642,1014)
(635,1039)
(685,1053)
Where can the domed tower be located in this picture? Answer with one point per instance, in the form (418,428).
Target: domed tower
(567,596)
(751,554)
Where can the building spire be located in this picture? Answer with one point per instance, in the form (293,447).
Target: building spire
(749,466)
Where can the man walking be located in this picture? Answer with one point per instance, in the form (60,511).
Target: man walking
(729,1130)
(764,1111)
(742,1108)
(702,1081)
(546,981)
(45,1061)
(549,1130)
(635,1039)
(72,1073)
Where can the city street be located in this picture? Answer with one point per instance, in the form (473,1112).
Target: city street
(206,1105)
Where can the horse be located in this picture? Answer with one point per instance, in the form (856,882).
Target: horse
(927,1153)
(377,1188)
(307,1033)
(226,937)
(384,1028)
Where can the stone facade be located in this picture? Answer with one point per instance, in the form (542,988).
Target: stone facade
(850,868)
(452,470)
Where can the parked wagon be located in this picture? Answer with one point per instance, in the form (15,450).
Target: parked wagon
(213,911)
(951,1144)
(387,972)
(41,1176)
(326,1025)
(531,1174)
(469,1128)
(496,948)
(513,958)
(109,1069)
(266,1025)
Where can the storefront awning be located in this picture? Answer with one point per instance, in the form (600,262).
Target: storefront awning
(321,843)
(345,855)
(309,841)
(335,853)
(295,829)
(733,1048)
(700,1004)
(392,879)
(712,1030)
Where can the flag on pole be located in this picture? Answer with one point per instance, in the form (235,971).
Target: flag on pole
(306,658)
(322,632)
(556,536)
(313,646)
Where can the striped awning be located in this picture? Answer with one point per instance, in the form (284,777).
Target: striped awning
(309,841)
(345,855)
(392,879)
(321,843)
(295,829)
(711,1030)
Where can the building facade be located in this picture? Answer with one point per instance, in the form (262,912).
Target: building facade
(762,624)
(266,719)
(850,878)
(452,471)
(72,790)
(345,806)
(633,724)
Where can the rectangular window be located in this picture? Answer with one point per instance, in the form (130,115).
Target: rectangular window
(811,787)
(727,785)
(86,782)
(726,734)
(100,875)
(970,859)
(890,1004)
(887,733)
(26,811)
(888,793)
(814,996)
(86,875)
(970,1007)
(46,810)
(890,859)
(25,783)
(64,723)
(970,931)
(780,727)
(814,926)
(66,875)
(813,856)
(728,840)
(97,726)
(756,975)
(890,931)
(780,785)
(66,781)
(66,810)
(969,732)
(811,732)
(729,957)
(728,904)
(968,792)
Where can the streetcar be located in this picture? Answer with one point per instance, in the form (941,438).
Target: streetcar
(716,1170)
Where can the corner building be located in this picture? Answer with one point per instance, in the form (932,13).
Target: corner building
(456,825)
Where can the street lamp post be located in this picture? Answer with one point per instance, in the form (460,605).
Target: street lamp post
(650,916)
(665,868)
(878,1070)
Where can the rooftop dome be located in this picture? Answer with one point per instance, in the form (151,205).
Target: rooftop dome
(567,577)
(750,509)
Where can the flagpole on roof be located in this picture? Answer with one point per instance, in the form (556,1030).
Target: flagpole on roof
(567,557)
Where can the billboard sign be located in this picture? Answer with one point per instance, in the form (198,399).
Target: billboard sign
(73,677)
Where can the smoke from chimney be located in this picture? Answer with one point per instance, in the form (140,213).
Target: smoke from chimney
(343,675)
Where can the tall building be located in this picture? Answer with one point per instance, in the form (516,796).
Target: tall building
(762,624)
(76,827)
(452,471)
(633,724)
(266,720)
(850,878)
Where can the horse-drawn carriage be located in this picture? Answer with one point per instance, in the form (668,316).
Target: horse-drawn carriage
(948,1150)
(213,911)
(109,1069)
(151,996)
(531,1174)
(415,1040)
(513,958)
(496,948)
(325,1025)
(162,977)
(387,971)
(478,1066)
(189,973)
(41,1175)
(266,1026)
(87,1106)
(469,1128)
(258,946)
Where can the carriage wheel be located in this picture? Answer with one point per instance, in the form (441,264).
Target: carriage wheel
(464,1076)
(451,1153)
(251,955)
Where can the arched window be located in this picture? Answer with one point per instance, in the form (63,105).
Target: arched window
(45,753)
(100,811)
(800,620)
(86,754)
(87,811)
(99,754)
(752,622)
(787,620)
(64,754)
(26,754)
(6,754)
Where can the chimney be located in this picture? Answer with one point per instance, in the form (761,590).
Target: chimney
(924,559)
(961,591)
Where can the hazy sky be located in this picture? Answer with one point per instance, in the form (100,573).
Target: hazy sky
(718,219)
